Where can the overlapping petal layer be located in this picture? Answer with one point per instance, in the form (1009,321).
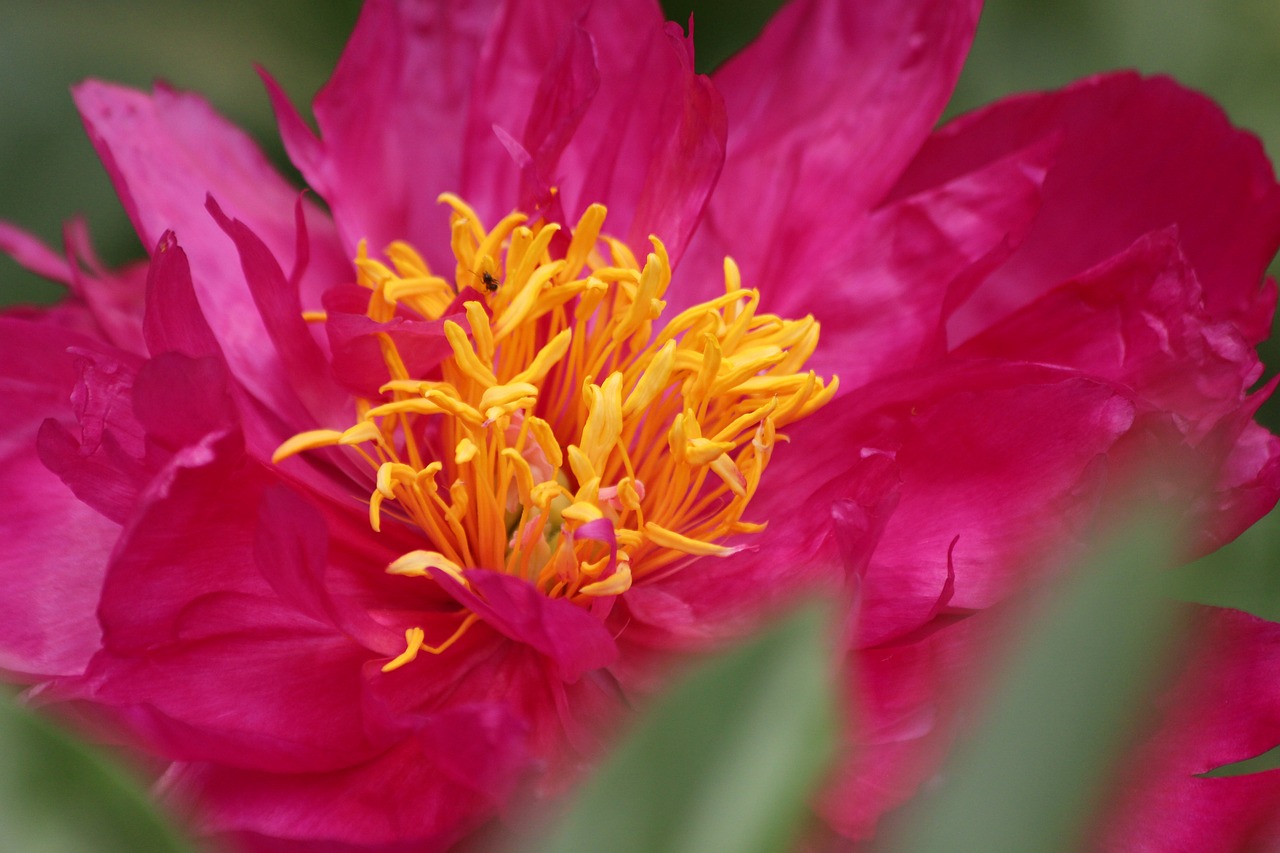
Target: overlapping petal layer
(1023,307)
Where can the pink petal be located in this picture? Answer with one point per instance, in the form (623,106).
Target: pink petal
(401,84)
(108,462)
(279,304)
(357,352)
(291,549)
(432,787)
(1136,319)
(884,295)
(652,146)
(56,546)
(1136,156)
(32,254)
(166,153)
(574,640)
(174,321)
(190,699)
(1224,708)
(825,110)
(180,544)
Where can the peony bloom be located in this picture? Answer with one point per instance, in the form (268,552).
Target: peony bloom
(361,516)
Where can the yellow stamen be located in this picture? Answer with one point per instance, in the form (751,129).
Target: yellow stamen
(571,438)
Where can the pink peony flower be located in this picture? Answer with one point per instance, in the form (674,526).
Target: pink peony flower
(359,517)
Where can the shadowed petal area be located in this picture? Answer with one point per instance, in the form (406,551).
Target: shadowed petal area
(56,547)
(1136,155)
(454,769)
(1224,708)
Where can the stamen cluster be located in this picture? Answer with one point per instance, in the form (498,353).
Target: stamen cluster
(568,439)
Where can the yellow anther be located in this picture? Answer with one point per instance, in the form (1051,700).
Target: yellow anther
(665,538)
(468,362)
(604,420)
(504,399)
(465,451)
(546,358)
(653,381)
(523,474)
(390,473)
(616,584)
(582,512)
(703,451)
(413,641)
(416,564)
(309,440)
(546,439)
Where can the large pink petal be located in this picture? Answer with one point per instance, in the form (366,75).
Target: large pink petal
(1137,319)
(390,122)
(825,110)
(56,547)
(1136,156)
(190,535)
(653,145)
(166,153)
(452,773)
(1224,708)
(281,695)
(884,294)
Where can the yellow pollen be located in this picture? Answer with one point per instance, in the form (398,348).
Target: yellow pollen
(569,438)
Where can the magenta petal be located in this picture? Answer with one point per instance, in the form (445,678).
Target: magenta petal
(167,152)
(825,110)
(32,254)
(291,548)
(1136,156)
(1225,708)
(108,462)
(430,788)
(1136,319)
(408,66)
(536,78)
(280,307)
(574,640)
(182,544)
(357,353)
(54,557)
(174,321)
(657,175)
(304,717)
(180,400)
(884,294)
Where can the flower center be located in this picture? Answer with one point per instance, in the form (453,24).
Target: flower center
(568,438)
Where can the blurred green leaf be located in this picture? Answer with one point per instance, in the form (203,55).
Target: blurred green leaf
(58,795)
(1065,703)
(1241,575)
(726,761)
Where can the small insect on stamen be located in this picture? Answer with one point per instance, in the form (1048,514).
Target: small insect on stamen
(490,283)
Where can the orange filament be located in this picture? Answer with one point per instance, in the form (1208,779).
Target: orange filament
(570,439)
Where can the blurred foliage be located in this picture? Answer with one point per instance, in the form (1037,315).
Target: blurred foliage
(59,796)
(727,760)
(1032,771)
